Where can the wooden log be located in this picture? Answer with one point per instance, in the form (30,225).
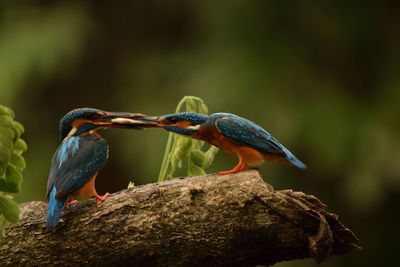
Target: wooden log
(234,219)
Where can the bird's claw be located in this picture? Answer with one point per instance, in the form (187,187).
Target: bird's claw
(71,203)
(101,198)
(238,168)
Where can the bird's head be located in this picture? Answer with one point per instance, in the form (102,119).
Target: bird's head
(185,123)
(84,120)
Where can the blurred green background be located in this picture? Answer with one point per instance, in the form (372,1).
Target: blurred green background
(322,77)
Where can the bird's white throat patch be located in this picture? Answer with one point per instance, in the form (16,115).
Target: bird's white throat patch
(71,133)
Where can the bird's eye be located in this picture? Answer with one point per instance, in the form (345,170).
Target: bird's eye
(92,116)
(173,120)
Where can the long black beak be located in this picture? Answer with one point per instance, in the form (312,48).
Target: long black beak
(149,122)
(124,120)
(111,115)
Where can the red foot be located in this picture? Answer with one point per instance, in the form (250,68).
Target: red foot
(238,168)
(71,203)
(101,198)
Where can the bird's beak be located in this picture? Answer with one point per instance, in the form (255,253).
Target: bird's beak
(124,120)
(150,122)
(156,120)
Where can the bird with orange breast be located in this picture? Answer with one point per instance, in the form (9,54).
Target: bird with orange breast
(238,136)
(80,156)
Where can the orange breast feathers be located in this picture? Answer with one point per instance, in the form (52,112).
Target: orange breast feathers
(85,192)
(246,154)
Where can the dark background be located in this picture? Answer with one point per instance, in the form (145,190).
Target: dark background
(323,78)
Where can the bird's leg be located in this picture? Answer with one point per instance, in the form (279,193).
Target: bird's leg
(71,203)
(100,198)
(240,167)
(244,166)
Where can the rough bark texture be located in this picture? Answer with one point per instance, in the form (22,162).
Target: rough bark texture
(235,219)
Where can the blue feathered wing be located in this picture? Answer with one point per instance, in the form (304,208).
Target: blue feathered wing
(75,162)
(247,133)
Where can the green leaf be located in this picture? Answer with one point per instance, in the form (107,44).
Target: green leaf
(6,111)
(210,154)
(179,165)
(6,134)
(11,165)
(179,147)
(195,170)
(5,155)
(20,145)
(17,160)
(191,105)
(14,176)
(3,110)
(198,144)
(3,224)
(203,109)
(5,143)
(181,150)
(198,158)
(13,180)
(6,147)
(131,185)
(10,112)
(6,121)
(18,129)
(9,208)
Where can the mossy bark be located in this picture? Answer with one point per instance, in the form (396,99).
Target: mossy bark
(234,219)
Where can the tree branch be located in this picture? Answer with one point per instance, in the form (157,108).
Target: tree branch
(207,220)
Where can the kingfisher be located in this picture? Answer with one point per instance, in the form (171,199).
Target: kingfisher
(80,156)
(238,136)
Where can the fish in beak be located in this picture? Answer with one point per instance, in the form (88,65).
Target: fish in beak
(124,120)
(139,120)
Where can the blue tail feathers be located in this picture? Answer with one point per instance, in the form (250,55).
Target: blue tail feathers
(292,159)
(54,208)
